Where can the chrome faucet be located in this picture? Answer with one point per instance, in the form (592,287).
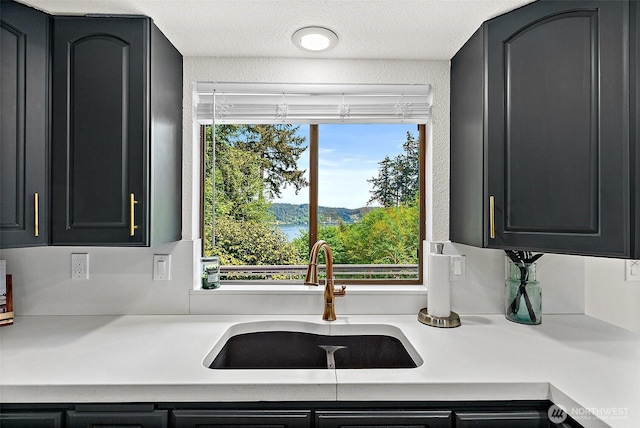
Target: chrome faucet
(330,292)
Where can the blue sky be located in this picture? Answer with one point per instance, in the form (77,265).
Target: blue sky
(348,156)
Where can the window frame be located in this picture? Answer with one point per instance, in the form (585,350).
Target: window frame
(313,201)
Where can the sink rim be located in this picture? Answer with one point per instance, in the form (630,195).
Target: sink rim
(313,328)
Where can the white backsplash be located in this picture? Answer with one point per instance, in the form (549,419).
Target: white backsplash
(120,282)
(608,296)
(562,279)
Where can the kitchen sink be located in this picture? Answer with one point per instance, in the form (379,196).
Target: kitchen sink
(309,346)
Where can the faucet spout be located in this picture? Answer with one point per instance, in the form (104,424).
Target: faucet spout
(330,292)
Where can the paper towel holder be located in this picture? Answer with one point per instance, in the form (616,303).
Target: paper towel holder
(453,320)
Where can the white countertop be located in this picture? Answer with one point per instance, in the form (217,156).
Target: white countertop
(573,360)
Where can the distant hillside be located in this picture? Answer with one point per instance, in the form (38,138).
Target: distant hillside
(299,214)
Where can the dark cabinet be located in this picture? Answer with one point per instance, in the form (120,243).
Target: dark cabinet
(541,154)
(634,123)
(505,419)
(34,419)
(511,414)
(116,416)
(246,418)
(24,47)
(155,419)
(386,419)
(510,419)
(116,133)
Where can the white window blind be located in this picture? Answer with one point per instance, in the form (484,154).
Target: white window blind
(246,103)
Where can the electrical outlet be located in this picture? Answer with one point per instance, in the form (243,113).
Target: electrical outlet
(80,266)
(632,270)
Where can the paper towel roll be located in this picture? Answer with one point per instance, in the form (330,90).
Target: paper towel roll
(439,295)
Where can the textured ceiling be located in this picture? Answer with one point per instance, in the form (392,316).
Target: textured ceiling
(366,29)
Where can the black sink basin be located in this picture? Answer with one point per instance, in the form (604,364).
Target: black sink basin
(300,350)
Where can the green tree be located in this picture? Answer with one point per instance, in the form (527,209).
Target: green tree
(252,243)
(385,236)
(332,234)
(398,180)
(384,186)
(244,225)
(279,149)
(239,188)
(408,168)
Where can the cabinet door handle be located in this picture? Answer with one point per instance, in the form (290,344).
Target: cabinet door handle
(492,216)
(132,214)
(36,216)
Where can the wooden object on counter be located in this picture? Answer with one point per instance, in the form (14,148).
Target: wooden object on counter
(6,304)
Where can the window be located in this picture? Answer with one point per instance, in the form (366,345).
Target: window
(270,190)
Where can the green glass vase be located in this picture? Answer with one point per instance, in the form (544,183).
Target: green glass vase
(523,294)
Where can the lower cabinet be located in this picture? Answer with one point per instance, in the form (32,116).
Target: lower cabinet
(531,414)
(245,418)
(383,418)
(511,419)
(33,419)
(517,419)
(116,416)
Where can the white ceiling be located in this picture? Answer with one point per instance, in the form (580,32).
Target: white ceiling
(366,29)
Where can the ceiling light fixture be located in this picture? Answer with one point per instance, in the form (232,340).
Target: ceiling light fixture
(314,38)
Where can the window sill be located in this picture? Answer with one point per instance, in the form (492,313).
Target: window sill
(305,289)
(304,300)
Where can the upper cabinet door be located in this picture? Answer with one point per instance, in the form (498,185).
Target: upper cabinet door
(100,130)
(23,126)
(558,128)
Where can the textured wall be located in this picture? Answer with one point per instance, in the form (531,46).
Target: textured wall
(270,70)
(608,296)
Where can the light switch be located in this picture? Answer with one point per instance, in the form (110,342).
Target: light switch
(161,267)
(632,270)
(457,268)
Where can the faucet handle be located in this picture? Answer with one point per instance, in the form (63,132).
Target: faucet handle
(341,291)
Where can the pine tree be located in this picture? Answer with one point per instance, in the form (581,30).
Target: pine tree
(408,167)
(384,185)
(251,163)
(279,148)
(398,180)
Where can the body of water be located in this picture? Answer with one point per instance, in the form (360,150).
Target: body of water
(292,231)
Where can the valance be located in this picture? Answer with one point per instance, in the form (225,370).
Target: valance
(245,103)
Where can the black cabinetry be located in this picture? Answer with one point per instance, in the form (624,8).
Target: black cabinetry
(634,124)
(24,47)
(498,419)
(252,418)
(34,419)
(510,419)
(511,414)
(116,133)
(386,419)
(541,154)
(115,416)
